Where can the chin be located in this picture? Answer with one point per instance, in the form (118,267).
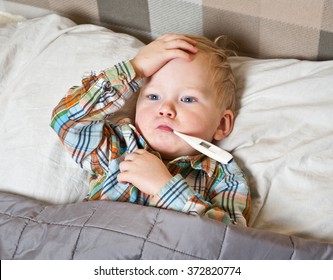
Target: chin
(166,153)
(171,154)
(171,148)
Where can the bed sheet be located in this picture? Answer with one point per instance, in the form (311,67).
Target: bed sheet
(282,137)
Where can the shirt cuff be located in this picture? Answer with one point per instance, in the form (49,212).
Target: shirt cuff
(174,194)
(121,73)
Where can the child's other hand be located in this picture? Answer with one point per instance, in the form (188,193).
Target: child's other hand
(165,48)
(145,171)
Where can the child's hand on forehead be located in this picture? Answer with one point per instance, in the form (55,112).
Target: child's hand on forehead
(159,52)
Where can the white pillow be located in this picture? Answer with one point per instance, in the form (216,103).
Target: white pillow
(40,59)
(283,138)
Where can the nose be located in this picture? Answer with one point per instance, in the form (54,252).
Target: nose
(167,110)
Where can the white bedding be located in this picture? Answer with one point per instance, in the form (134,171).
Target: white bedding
(282,138)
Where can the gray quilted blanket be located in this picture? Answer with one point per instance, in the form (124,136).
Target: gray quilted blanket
(30,229)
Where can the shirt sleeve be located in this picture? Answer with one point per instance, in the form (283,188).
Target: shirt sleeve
(229,197)
(80,117)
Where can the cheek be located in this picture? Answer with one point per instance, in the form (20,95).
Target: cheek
(143,117)
(202,127)
(195,121)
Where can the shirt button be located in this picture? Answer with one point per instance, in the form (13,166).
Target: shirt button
(122,76)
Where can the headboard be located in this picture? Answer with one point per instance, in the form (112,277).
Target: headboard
(260,28)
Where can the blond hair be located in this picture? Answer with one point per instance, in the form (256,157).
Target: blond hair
(223,79)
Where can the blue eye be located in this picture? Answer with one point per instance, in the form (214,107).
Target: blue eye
(188,99)
(153,97)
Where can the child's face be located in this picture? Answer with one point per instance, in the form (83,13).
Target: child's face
(179,97)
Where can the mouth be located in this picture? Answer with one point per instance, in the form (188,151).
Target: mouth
(165,128)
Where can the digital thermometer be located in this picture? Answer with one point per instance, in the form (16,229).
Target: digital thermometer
(206,148)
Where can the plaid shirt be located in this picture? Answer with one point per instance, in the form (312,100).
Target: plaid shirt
(200,185)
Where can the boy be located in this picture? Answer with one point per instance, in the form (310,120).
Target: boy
(184,83)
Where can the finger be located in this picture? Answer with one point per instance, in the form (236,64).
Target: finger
(168,37)
(124,166)
(171,37)
(122,178)
(173,41)
(131,156)
(140,151)
(171,54)
(182,45)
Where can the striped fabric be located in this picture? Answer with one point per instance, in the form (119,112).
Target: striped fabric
(260,28)
(199,186)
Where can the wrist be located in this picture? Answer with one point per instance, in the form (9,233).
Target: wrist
(175,192)
(162,183)
(136,68)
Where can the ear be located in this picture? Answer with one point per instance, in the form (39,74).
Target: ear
(226,125)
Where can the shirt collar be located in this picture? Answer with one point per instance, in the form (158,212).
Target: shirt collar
(126,125)
(199,162)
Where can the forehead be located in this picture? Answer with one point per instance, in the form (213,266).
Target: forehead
(180,72)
